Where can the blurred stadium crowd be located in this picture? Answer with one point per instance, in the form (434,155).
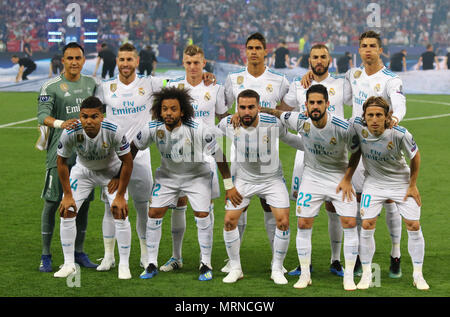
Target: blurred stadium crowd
(216,24)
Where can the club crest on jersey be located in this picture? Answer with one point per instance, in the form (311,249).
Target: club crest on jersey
(332,92)
(390,146)
(105,145)
(265,139)
(307,127)
(113,87)
(141,91)
(180,86)
(377,87)
(207,96)
(269,88)
(80,138)
(333,141)
(299,210)
(357,74)
(362,212)
(240,80)
(160,134)
(364,133)
(64,87)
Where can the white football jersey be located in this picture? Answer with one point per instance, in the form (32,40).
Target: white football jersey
(296,96)
(256,155)
(271,86)
(208,100)
(183,150)
(358,87)
(129,105)
(384,156)
(96,153)
(326,156)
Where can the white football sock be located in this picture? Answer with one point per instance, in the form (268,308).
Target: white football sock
(211,216)
(68,233)
(416,249)
(123,235)
(350,248)
(394,224)
(335,232)
(280,247)
(141,227)
(153,238)
(178,223)
(204,239)
(367,247)
(109,232)
(233,245)
(141,218)
(303,243)
(242,223)
(271,227)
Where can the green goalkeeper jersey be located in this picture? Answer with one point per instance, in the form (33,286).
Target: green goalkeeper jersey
(61,99)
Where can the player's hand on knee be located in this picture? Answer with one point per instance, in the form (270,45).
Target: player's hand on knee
(347,190)
(119,208)
(413,192)
(113,185)
(67,207)
(234,196)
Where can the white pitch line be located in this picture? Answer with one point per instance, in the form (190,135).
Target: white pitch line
(429,101)
(17,122)
(429,117)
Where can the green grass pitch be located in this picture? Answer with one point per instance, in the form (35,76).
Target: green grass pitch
(22,172)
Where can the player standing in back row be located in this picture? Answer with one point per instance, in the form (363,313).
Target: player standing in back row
(58,108)
(271,87)
(208,103)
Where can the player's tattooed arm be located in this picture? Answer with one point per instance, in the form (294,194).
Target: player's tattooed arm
(273,112)
(113,184)
(119,206)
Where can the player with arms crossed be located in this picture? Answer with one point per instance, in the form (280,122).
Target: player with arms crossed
(59,108)
(271,87)
(258,172)
(208,103)
(100,145)
(327,171)
(183,145)
(388,177)
(295,100)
